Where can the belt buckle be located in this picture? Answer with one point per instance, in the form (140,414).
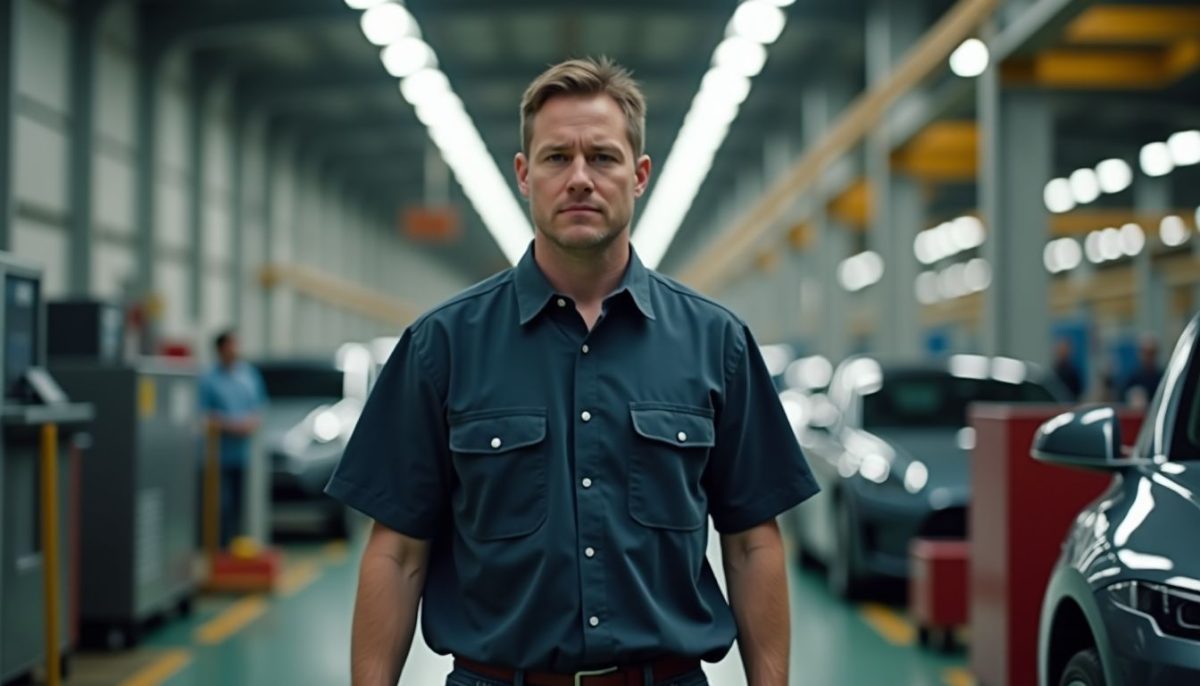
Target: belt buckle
(595,672)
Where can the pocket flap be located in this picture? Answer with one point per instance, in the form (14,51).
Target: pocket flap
(684,427)
(497,433)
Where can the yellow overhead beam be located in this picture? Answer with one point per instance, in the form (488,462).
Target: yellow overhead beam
(1106,68)
(945,151)
(1134,25)
(340,293)
(852,206)
(927,57)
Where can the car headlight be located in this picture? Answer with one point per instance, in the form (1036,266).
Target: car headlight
(1176,612)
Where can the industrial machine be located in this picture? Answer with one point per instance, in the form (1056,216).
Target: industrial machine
(139,494)
(35,418)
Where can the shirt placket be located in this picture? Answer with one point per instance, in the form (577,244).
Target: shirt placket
(592,492)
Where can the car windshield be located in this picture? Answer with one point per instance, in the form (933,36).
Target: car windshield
(938,399)
(1187,443)
(301,381)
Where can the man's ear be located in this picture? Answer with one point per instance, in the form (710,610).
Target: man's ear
(521,167)
(642,175)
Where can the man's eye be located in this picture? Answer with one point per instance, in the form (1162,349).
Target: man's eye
(603,158)
(556,157)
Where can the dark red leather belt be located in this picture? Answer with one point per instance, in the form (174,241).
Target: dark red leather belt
(664,669)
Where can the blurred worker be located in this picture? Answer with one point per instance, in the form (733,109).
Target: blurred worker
(232,397)
(1064,368)
(1140,386)
(542,453)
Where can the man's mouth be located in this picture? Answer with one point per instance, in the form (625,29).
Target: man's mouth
(580,208)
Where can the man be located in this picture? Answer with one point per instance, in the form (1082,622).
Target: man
(542,453)
(1141,385)
(232,397)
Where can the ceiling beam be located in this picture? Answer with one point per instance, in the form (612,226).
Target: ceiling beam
(1134,25)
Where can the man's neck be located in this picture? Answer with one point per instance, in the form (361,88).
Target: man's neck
(588,277)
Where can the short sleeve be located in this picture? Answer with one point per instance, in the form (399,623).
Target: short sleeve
(756,470)
(395,467)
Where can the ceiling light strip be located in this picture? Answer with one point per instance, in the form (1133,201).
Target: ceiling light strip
(738,59)
(409,58)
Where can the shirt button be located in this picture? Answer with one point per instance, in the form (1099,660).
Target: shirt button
(496,442)
(586,349)
(586,416)
(590,552)
(587,483)
(594,621)
(681,436)
(562,303)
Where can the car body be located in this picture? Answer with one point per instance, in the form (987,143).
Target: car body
(308,421)
(1122,606)
(889,446)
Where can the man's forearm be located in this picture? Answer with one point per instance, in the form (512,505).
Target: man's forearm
(757,581)
(385,618)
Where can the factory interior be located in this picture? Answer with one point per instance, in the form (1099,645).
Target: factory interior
(963,234)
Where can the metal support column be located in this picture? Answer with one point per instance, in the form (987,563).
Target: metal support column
(197,128)
(896,207)
(150,63)
(85,30)
(1015,162)
(237,215)
(8,86)
(1150,195)
(270,152)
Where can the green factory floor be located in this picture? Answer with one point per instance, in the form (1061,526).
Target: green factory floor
(300,636)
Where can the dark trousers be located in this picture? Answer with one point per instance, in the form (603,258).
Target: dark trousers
(462,677)
(233,490)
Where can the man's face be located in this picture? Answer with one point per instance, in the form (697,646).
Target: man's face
(581,176)
(229,350)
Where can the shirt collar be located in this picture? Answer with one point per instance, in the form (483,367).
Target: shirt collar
(534,290)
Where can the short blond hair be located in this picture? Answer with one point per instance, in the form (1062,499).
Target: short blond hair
(587,76)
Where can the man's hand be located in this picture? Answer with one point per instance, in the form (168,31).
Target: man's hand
(756,575)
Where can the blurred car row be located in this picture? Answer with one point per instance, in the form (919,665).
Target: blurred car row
(889,445)
(314,406)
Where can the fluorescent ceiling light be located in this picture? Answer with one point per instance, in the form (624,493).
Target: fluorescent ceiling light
(725,87)
(1173,231)
(970,59)
(1085,186)
(926,288)
(408,56)
(741,56)
(1185,148)
(758,20)
(1155,159)
(427,89)
(387,23)
(1058,196)
(1114,175)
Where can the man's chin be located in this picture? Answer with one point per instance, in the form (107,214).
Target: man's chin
(582,237)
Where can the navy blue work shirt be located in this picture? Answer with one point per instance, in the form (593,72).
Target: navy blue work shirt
(564,477)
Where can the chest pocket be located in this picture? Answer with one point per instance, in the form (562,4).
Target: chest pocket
(670,451)
(500,459)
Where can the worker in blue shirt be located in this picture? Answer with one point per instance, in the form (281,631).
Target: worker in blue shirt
(232,398)
(542,454)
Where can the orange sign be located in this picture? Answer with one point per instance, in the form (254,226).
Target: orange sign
(433,224)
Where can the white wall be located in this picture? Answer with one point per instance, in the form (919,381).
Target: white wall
(314,222)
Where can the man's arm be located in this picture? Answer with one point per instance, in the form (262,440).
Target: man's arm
(756,576)
(390,582)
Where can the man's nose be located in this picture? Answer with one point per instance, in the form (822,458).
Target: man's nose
(581,180)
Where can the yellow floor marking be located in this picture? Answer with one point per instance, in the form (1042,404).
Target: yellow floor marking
(894,628)
(297,578)
(160,670)
(232,620)
(957,676)
(335,552)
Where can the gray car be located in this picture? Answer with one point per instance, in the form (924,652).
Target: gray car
(889,448)
(1123,603)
